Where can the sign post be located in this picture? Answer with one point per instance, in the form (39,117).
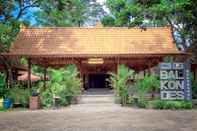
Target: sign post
(175,81)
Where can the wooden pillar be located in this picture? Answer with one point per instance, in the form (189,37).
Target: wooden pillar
(6,78)
(29,73)
(84,81)
(10,82)
(79,67)
(144,73)
(117,68)
(45,77)
(149,68)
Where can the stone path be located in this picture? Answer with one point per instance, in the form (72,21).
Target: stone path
(104,116)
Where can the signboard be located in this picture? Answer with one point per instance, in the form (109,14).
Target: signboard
(95,61)
(175,81)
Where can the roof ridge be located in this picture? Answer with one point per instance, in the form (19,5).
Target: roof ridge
(160,27)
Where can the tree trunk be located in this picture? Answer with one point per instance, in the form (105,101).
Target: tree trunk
(9,78)
(7,67)
(29,73)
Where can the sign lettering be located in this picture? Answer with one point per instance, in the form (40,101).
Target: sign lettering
(174,81)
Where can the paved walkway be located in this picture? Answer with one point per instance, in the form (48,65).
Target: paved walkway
(99,117)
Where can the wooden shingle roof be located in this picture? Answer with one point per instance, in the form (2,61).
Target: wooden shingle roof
(100,41)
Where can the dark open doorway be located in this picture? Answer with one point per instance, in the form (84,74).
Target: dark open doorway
(98,81)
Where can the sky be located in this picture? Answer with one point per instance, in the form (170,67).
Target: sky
(101,1)
(33,21)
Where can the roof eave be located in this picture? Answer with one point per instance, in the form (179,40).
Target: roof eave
(96,55)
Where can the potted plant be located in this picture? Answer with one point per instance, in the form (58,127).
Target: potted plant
(119,81)
(34,101)
(7,103)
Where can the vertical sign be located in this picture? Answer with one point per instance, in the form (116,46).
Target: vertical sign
(188,91)
(175,81)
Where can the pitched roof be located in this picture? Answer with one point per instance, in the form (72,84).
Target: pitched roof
(75,41)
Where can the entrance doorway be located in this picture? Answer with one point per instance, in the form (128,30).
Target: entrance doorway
(98,81)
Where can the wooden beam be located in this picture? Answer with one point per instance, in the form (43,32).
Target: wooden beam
(45,77)
(29,73)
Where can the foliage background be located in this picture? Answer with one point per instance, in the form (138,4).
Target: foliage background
(64,83)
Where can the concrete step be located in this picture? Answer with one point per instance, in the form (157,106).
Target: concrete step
(87,99)
(100,105)
(97,91)
(97,96)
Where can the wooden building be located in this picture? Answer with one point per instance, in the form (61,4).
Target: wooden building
(96,50)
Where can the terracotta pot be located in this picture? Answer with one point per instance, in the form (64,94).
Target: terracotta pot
(34,103)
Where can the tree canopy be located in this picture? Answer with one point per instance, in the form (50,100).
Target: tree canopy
(11,13)
(68,12)
(180,15)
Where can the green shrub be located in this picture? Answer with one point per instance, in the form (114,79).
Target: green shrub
(119,82)
(2,109)
(149,84)
(172,105)
(156,104)
(161,104)
(130,100)
(64,83)
(38,87)
(141,103)
(187,104)
(3,89)
(46,98)
(19,95)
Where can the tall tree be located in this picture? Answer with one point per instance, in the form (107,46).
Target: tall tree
(179,14)
(68,12)
(11,12)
